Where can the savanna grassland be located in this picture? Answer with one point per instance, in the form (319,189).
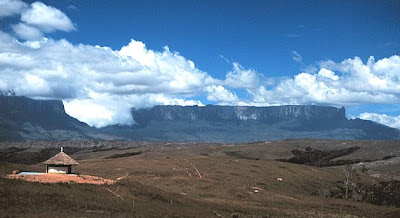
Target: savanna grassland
(197,180)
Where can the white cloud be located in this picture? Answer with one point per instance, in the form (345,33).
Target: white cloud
(218,93)
(328,74)
(11,7)
(46,18)
(168,71)
(392,121)
(27,32)
(106,82)
(104,109)
(92,113)
(353,83)
(297,57)
(99,85)
(241,78)
(161,99)
(35,19)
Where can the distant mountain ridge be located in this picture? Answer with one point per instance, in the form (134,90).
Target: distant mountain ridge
(22,118)
(248,123)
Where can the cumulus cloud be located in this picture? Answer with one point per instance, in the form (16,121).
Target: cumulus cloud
(350,82)
(241,78)
(27,32)
(36,19)
(392,121)
(218,93)
(167,71)
(11,7)
(105,109)
(99,85)
(46,18)
(328,74)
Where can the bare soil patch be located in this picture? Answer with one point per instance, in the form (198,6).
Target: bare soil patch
(63,178)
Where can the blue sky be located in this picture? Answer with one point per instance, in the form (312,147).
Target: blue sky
(258,34)
(243,53)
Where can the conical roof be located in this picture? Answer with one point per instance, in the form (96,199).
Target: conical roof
(61,159)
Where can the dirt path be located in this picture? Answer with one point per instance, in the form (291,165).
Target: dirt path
(63,178)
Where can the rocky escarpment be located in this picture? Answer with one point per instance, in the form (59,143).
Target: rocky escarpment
(25,109)
(288,117)
(22,118)
(236,113)
(27,119)
(244,124)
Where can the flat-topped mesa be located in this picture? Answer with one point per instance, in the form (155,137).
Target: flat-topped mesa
(234,113)
(30,108)
(25,118)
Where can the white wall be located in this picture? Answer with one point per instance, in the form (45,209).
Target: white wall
(61,170)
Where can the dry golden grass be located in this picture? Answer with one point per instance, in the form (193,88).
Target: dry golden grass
(228,185)
(186,181)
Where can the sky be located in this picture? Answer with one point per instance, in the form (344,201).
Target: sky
(103,57)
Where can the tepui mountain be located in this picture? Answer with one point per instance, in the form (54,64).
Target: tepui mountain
(22,118)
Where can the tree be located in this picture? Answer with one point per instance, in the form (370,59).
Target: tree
(348,173)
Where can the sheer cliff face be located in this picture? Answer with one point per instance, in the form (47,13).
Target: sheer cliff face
(23,118)
(238,113)
(21,108)
(246,124)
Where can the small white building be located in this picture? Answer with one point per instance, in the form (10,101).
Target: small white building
(61,163)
